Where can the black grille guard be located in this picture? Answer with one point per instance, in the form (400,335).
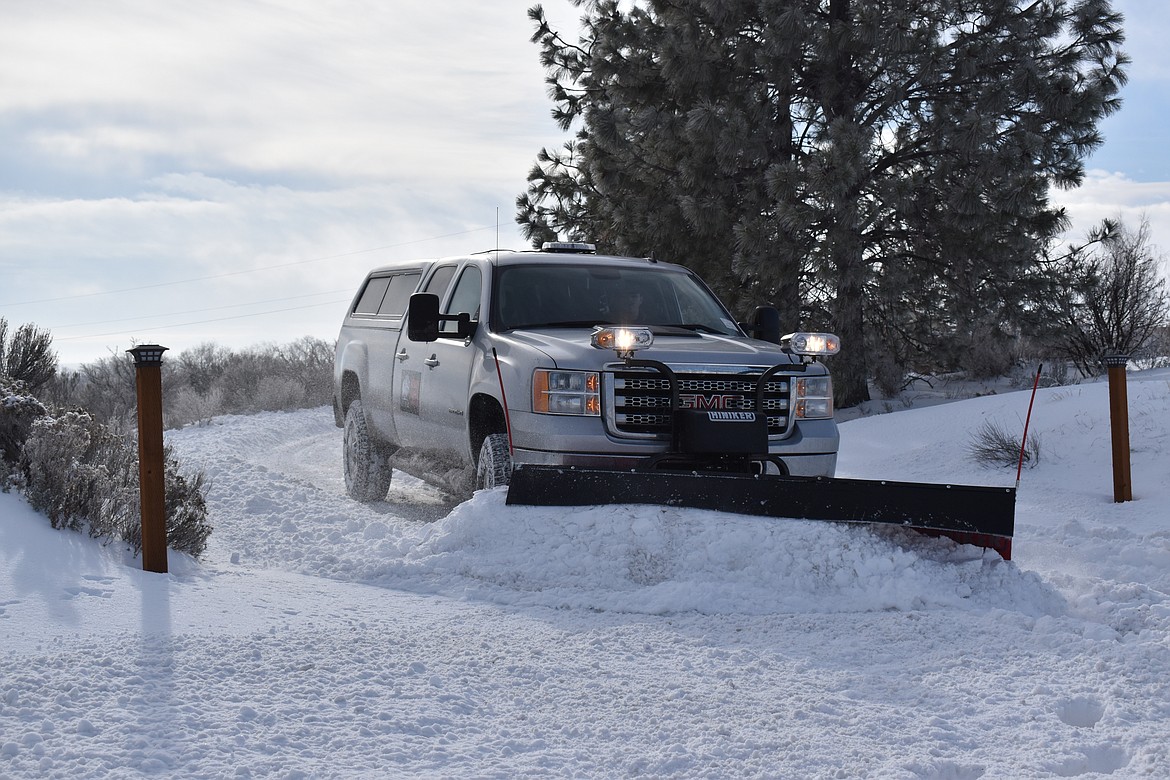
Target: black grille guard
(699,452)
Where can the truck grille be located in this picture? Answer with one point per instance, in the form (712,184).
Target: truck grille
(640,400)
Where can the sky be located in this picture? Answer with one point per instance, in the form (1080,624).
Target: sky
(320,637)
(228,171)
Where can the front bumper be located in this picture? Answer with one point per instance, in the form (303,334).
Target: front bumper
(810,450)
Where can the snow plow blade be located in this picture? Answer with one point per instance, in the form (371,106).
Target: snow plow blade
(978,515)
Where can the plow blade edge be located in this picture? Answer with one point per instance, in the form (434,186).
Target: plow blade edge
(969,514)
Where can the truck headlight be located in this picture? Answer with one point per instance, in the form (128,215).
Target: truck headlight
(814,397)
(623,341)
(566,392)
(812,344)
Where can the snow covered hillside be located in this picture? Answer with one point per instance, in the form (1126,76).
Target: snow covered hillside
(322,638)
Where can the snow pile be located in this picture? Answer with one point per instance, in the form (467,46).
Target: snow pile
(320,637)
(662,561)
(626,558)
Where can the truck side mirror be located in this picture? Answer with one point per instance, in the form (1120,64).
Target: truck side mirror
(423,320)
(765,324)
(422,317)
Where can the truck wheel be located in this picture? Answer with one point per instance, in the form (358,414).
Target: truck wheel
(367,471)
(495,462)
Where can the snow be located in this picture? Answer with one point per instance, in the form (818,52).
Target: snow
(318,637)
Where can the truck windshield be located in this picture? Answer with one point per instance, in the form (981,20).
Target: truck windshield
(566,296)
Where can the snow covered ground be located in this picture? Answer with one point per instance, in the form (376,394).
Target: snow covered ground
(321,638)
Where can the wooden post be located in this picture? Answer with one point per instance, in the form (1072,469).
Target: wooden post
(1119,426)
(152,486)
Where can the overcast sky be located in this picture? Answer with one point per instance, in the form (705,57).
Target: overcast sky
(227,171)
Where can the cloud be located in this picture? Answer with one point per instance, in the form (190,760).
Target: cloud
(191,243)
(332,90)
(1112,195)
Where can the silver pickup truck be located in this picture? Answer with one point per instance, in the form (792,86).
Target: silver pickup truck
(455,370)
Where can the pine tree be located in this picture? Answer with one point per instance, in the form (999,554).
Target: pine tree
(880,168)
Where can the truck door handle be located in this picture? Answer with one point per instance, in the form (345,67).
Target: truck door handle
(432,361)
(402,354)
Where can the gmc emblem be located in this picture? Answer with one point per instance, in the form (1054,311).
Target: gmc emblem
(697,401)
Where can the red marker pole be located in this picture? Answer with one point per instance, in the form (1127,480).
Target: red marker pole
(152,490)
(1027,421)
(504,398)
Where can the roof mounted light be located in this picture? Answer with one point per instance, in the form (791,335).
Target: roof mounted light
(568,247)
(812,345)
(624,341)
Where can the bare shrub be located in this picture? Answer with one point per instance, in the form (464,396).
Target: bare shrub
(81,474)
(76,469)
(188,406)
(272,378)
(274,393)
(207,381)
(75,473)
(106,389)
(18,409)
(991,353)
(62,389)
(312,360)
(889,375)
(1112,299)
(1157,355)
(186,508)
(1058,373)
(201,367)
(993,446)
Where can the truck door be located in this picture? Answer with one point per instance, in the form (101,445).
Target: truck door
(410,359)
(447,375)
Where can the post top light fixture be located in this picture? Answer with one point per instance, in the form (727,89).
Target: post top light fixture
(1115,360)
(147,354)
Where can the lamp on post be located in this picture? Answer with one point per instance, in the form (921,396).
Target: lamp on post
(152,490)
(1119,426)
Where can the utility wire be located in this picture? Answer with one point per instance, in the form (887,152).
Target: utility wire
(194,311)
(204,322)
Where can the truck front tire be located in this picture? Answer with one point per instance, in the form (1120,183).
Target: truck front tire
(367,470)
(495,462)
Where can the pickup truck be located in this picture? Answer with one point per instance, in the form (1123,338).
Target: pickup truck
(457,370)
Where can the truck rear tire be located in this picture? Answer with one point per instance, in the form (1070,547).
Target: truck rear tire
(367,469)
(495,462)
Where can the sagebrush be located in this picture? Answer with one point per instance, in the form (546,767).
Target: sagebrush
(18,410)
(206,381)
(27,354)
(83,475)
